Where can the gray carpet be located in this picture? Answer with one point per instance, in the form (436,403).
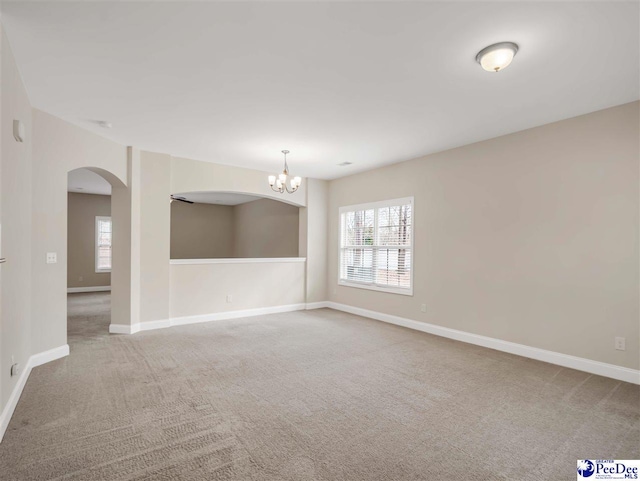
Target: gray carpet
(316,395)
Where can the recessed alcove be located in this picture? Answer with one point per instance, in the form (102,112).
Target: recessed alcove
(222,225)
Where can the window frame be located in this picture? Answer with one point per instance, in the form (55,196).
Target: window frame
(375,206)
(102,218)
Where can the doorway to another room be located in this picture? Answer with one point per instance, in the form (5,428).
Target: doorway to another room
(89,256)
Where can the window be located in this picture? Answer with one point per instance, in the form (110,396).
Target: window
(103,244)
(376,244)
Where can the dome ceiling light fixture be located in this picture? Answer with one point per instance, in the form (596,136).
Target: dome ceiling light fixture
(497,57)
(279,184)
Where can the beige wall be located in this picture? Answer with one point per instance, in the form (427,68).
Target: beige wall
(15,218)
(265,228)
(125,262)
(59,147)
(155,231)
(81,237)
(189,175)
(160,176)
(313,239)
(201,231)
(530,238)
(203,289)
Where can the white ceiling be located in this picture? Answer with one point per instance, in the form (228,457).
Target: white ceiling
(87,182)
(223,198)
(366,82)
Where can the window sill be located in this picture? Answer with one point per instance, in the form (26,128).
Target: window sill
(388,290)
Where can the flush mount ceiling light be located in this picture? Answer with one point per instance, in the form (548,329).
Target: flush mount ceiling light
(497,56)
(279,184)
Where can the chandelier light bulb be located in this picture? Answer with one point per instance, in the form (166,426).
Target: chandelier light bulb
(272,180)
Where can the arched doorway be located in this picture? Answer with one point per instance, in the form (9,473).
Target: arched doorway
(97,261)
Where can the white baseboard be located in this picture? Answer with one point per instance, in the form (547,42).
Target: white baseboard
(316,305)
(216,316)
(33,361)
(121,328)
(581,364)
(221,316)
(71,290)
(50,355)
(12,402)
(151,325)
(137,327)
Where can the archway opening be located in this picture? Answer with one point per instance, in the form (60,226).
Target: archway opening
(90,252)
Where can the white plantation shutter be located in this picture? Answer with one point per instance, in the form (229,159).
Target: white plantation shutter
(376,244)
(103,244)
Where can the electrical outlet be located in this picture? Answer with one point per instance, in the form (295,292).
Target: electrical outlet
(52,258)
(229,298)
(620,344)
(423,308)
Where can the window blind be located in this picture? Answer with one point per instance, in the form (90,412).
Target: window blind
(103,243)
(376,245)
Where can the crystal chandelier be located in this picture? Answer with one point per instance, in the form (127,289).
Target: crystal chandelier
(279,183)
